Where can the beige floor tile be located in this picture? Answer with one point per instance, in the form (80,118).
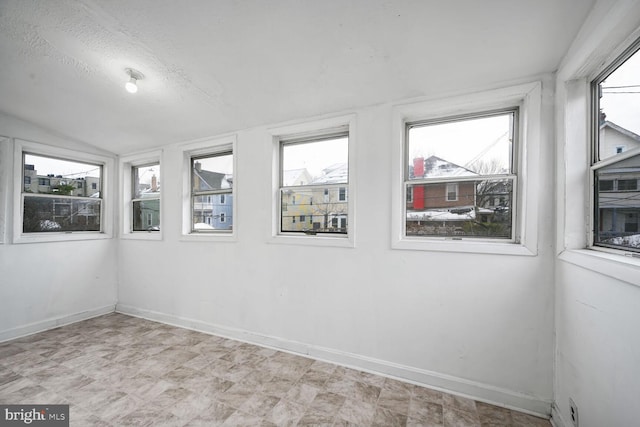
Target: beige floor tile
(117,370)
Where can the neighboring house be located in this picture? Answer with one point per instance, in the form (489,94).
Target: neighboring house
(215,210)
(445,207)
(440,195)
(615,139)
(294,177)
(319,204)
(618,184)
(73,212)
(52,184)
(147,211)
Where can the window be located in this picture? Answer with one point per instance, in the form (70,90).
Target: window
(212,175)
(605,185)
(145,201)
(616,153)
(56,204)
(141,189)
(628,184)
(455,169)
(452,192)
(317,168)
(311,162)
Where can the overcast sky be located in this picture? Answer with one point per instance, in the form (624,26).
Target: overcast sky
(621,95)
(315,156)
(46,166)
(464,142)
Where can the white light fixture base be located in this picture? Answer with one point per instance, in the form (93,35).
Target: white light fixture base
(134,75)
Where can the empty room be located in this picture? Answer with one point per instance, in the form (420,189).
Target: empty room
(363,212)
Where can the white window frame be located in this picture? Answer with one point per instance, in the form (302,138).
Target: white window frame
(127,164)
(595,163)
(606,39)
(455,190)
(342,194)
(317,128)
(201,148)
(528,99)
(6,166)
(39,149)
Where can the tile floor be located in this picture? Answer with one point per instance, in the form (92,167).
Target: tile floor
(117,370)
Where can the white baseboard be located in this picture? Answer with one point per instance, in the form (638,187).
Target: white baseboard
(44,325)
(450,384)
(556,417)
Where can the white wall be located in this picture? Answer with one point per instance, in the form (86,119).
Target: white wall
(43,285)
(476,324)
(598,347)
(597,294)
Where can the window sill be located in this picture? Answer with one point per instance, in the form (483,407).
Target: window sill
(59,237)
(209,237)
(464,246)
(142,235)
(615,265)
(322,241)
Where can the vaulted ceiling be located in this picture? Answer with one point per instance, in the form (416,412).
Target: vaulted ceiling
(213,66)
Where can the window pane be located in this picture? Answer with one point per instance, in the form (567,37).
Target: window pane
(145,181)
(618,206)
(465,147)
(313,211)
(212,173)
(318,162)
(606,185)
(481,209)
(620,109)
(212,213)
(46,214)
(146,215)
(47,175)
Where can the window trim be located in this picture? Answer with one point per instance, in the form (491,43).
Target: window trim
(6,168)
(127,164)
(595,162)
(106,220)
(455,191)
(448,181)
(605,39)
(528,99)
(310,130)
(203,148)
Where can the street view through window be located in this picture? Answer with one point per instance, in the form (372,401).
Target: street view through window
(460,177)
(212,193)
(617,162)
(60,195)
(314,195)
(146,197)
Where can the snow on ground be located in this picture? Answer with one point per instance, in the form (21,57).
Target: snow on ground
(632,241)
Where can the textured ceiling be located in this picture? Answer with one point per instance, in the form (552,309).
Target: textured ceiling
(213,66)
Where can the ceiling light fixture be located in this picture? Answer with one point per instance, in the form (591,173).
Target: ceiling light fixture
(134,75)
